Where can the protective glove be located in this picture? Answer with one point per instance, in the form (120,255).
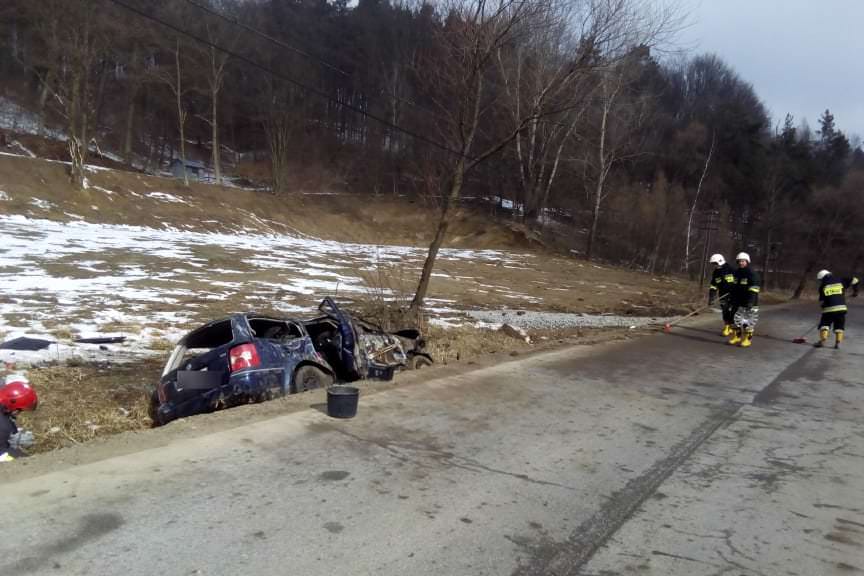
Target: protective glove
(23,439)
(711,297)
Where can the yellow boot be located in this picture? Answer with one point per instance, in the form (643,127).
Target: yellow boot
(838,338)
(727,330)
(823,337)
(747,341)
(736,337)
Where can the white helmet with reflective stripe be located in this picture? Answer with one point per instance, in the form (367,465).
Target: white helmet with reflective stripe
(717,259)
(742,256)
(821,274)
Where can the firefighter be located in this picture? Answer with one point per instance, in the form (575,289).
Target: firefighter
(745,302)
(852,282)
(832,298)
(14,397)
(722,281)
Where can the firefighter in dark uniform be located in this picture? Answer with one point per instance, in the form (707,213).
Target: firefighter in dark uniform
(745,302)
(833,300)
(722,281)
(852,282)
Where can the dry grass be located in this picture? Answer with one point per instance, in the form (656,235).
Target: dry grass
(79,403)
(386,300)
(468,343)
(162,344)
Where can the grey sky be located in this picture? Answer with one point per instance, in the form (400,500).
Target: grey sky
(802,56)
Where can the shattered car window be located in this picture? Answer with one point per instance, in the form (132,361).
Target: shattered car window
(272,329)
(211,336)
(199,342)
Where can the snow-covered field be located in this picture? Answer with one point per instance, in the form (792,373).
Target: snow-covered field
(82,279)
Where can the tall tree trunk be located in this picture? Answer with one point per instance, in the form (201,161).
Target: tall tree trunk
(217,158)
(181,115)
(76,145)
(44,92)
(802,282)
(766,252)
(595,218)
(100,98)
(130,125)
(602,172)
(440,233)
(686,264)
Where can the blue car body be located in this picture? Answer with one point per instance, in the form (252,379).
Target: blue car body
(212,366)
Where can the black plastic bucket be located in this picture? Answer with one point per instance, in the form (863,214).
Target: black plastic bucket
(342,401)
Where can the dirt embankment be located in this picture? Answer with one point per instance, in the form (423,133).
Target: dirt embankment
(41,189)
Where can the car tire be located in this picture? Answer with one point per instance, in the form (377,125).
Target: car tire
(310,377)
(418,362)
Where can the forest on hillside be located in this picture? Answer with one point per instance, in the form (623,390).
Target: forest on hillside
(579,120)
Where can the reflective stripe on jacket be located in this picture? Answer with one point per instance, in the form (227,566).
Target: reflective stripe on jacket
(832,295)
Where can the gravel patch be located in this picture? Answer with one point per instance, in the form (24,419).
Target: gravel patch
(530,320)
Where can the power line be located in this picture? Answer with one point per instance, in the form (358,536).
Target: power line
(276,41)
(285,78)
(280,43)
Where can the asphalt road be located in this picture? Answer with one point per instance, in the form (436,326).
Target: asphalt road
(670,454)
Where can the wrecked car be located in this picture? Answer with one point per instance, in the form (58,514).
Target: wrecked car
(250,357)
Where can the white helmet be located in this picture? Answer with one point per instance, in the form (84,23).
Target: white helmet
(717,259)
(742,256)
(821,274)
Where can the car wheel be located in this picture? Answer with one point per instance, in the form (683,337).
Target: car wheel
(418,362)
(310,377)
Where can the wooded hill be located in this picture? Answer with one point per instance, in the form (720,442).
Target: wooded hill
(574,116)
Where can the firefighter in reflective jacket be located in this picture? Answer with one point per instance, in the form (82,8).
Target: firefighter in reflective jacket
(833,300)
(852,282)
(722,281)
(745,302)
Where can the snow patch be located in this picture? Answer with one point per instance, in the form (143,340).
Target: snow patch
(165,197)
(22,148)
(41,204)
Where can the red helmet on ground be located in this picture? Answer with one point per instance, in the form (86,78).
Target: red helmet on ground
(16,396)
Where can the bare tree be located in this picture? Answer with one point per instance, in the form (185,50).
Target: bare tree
(214,64)
(686,264)
(551,78)
(455,75)
(617,123)
(173,78)
(73,43)
(546,80)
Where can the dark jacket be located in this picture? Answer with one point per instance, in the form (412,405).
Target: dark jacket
(832,295)
(745,293)
(7,429)
(722,281)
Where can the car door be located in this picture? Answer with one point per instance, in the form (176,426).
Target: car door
(353,365)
